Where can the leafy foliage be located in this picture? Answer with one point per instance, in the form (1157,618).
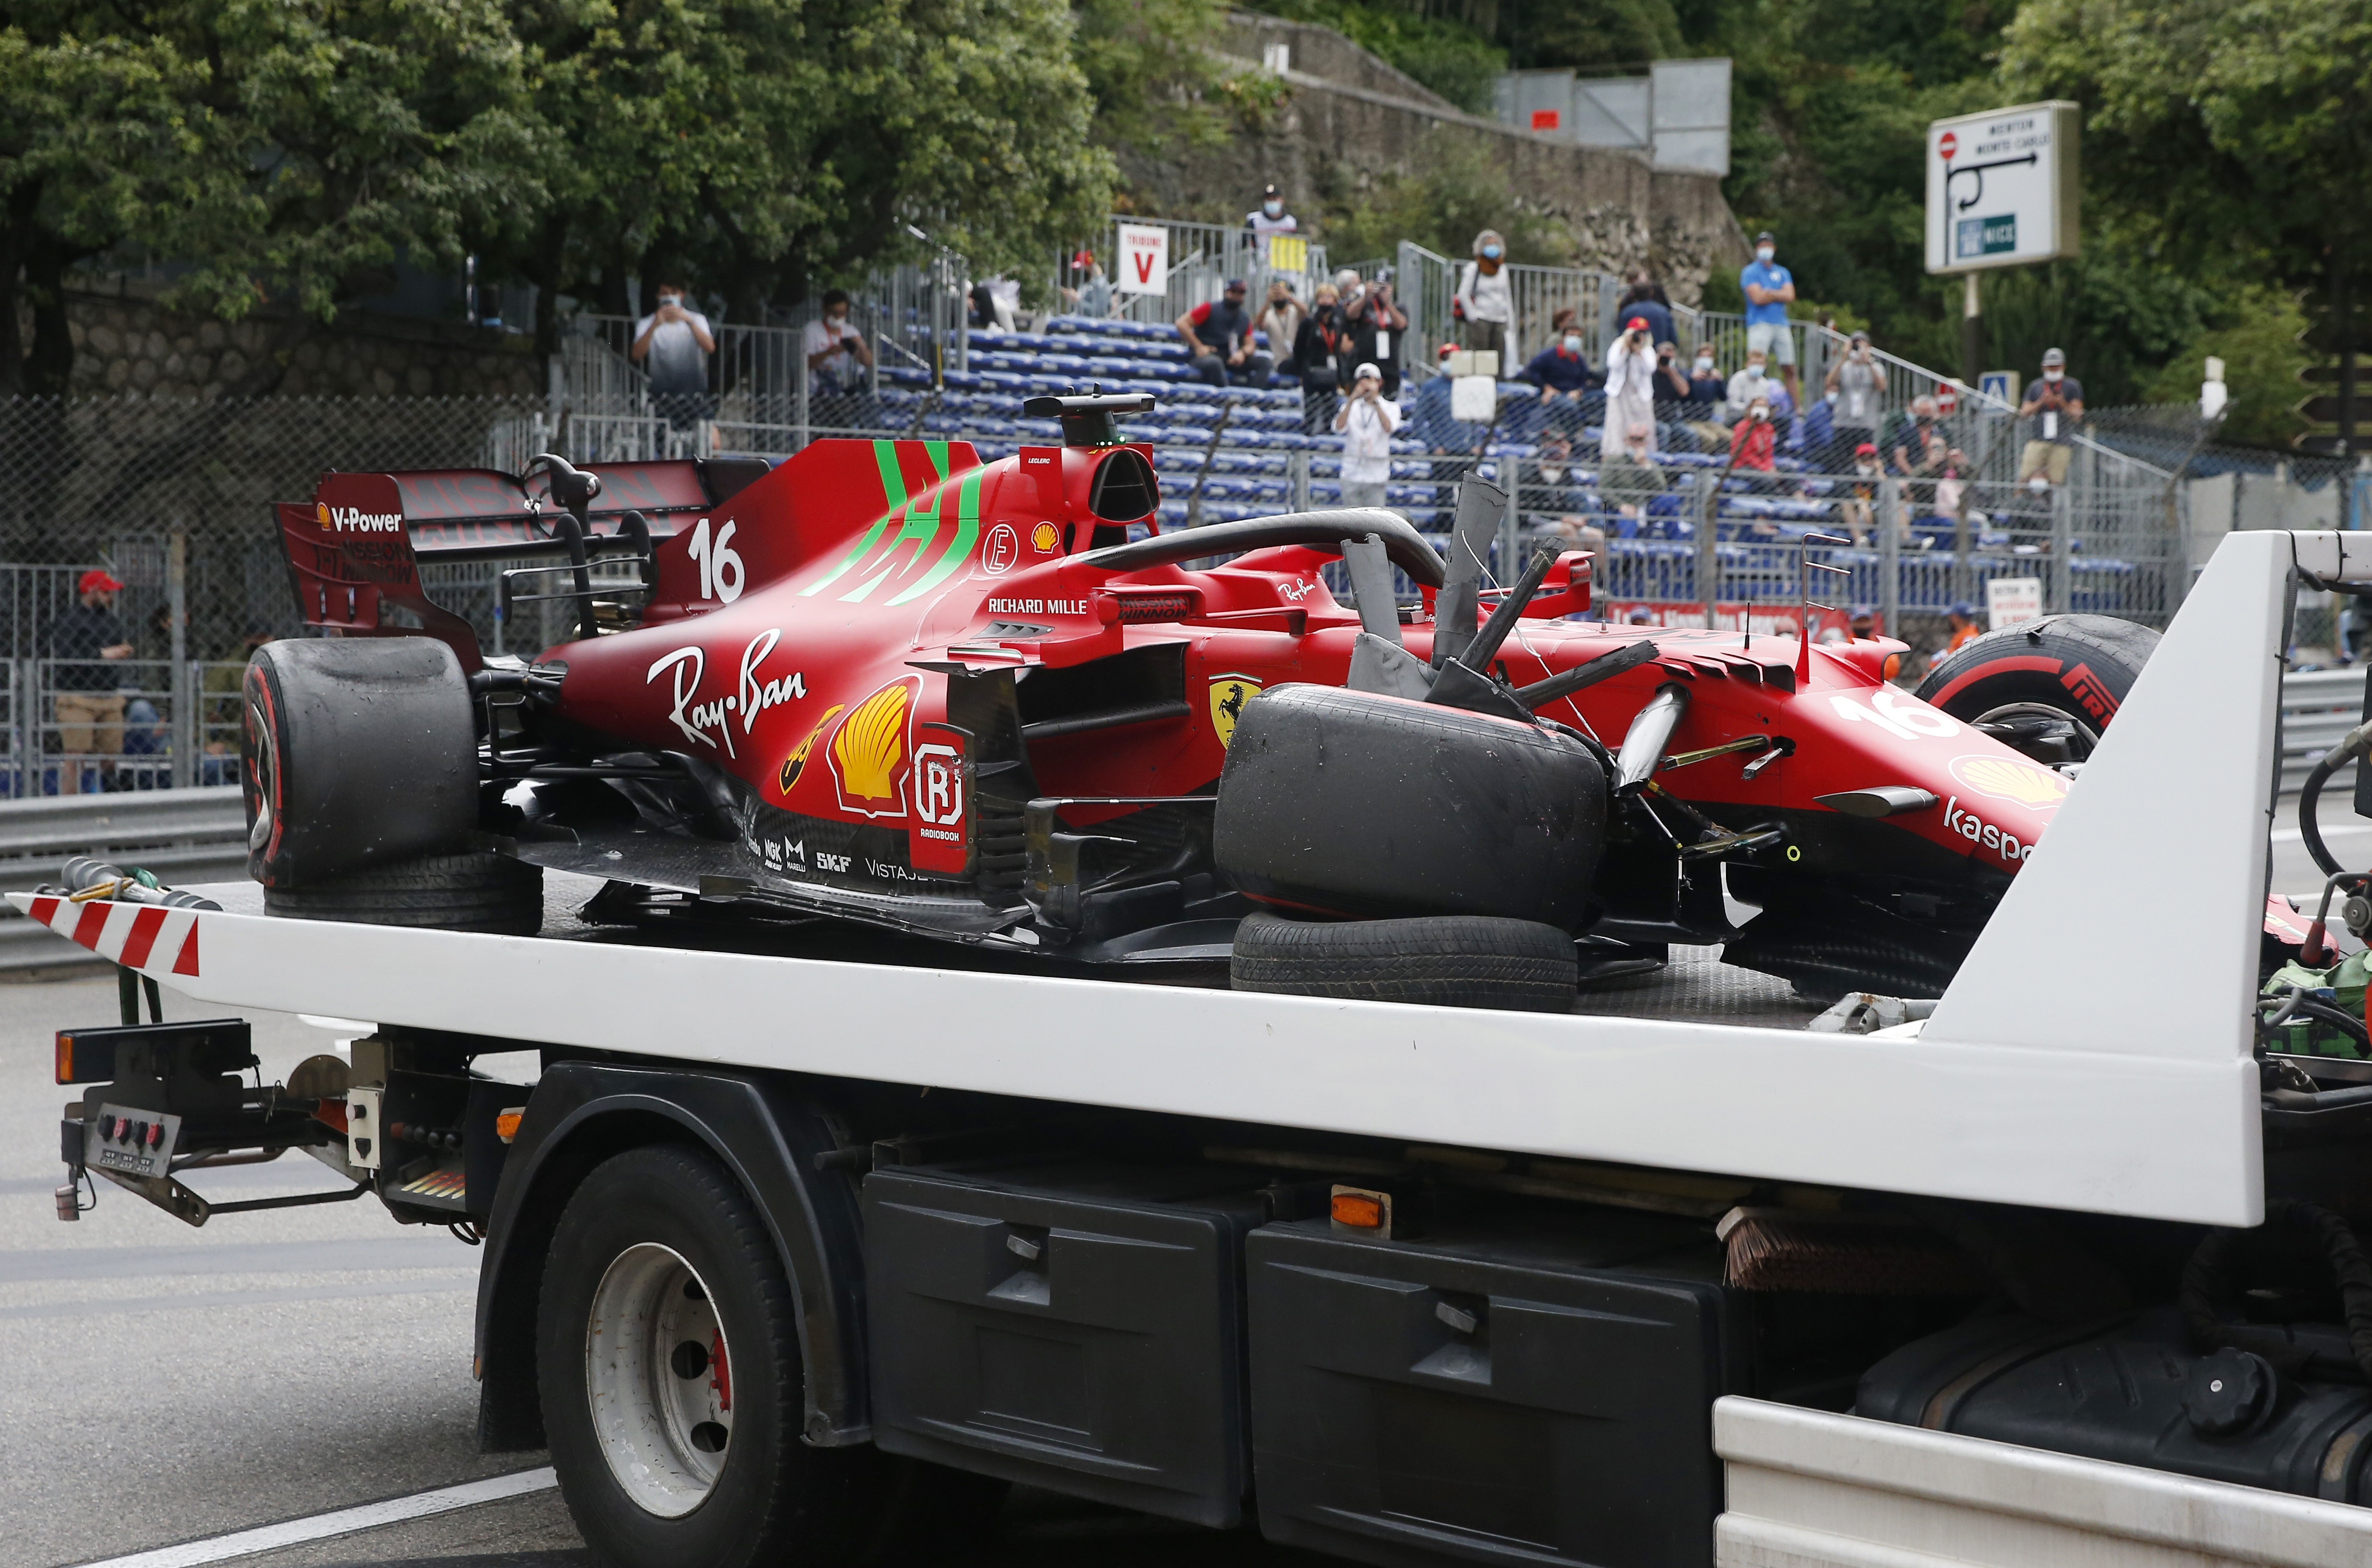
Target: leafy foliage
(2262,360)
(1451,59)
(1455,193)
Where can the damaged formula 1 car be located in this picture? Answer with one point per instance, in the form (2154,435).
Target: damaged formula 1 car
(883,682)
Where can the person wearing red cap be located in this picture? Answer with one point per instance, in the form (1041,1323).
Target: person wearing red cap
(1629,387)
(89,705)
(1856,510)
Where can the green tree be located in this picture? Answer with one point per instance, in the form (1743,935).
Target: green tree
(2259,345)
(92,138)
(760,143)
(1456,193)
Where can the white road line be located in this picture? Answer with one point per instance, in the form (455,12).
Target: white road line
(343,1521)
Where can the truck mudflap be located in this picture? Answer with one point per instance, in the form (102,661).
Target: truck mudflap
(1809,1487)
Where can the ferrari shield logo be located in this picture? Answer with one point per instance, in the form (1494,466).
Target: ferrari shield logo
(1228,695)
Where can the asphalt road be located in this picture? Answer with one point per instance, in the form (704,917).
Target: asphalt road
(161,1385)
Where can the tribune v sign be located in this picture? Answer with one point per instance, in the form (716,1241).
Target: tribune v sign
(1143,259)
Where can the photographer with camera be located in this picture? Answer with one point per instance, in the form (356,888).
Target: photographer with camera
(1365,421)
(2055,404)
(1629,387)
(673,346)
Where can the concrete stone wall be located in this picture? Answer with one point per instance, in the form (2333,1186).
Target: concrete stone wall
(1352,121)
(126,343)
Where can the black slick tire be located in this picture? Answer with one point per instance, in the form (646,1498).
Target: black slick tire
(354,751)
(775,1501)
(1347,802)
(470,892)
(2081,667)
(1436,961)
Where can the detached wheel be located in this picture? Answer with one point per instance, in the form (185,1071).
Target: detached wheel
(1360,805)
(1437,961)
(2048,687)
(667,1360)
(354,751)
(473,891)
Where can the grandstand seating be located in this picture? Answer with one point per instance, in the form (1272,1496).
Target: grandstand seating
(1759,520)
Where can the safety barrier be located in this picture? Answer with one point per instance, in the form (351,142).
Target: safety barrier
(187,837)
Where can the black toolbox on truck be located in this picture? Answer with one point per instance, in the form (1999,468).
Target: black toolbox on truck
(1492,1393)
(1077,1324)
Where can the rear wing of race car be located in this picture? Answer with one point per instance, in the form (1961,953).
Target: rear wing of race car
(354,552)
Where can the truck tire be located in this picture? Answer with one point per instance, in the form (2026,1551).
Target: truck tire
(471,891)
(2048,687)
(1351,804)
(669,1368)
(1437,961)
(354,751)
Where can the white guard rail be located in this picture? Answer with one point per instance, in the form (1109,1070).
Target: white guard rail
(185,836)
(2319,706)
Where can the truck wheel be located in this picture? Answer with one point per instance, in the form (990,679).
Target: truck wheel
(473,891)
(2048,687)
(1440,960)
(668,1360)
(354,751)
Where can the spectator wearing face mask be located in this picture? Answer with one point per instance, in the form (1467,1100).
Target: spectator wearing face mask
(1769,289)
(1856,384)
(1317,347)
(1644,296)
(1268,220)
(835,348)
(1562,374)
(1750,382)
(1219,337)
(1281,320)
(1627,475)
(1672,400)
(673,346)
(1918,450)
(2056,404)
(1486,301)
(1858,510)
(1546,482)
(1952,488)
(1630,386)
(1707,388)
(1365,421)
(1753,444)
(1376,326)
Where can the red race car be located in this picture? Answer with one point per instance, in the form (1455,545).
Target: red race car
(887,683)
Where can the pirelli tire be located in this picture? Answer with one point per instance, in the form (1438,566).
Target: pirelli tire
(1435,960)
(1349,804)
(2023,683)
(469,891)
(354,751)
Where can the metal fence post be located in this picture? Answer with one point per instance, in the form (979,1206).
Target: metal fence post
(1511,523)
(799,432)
(2062,586)
(183,744)
(1297,468)
(1890,555)
(1708,573)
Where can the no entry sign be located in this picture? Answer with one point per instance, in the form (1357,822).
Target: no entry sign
(1947,144)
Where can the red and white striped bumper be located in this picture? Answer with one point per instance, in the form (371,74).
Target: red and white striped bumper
(148,937)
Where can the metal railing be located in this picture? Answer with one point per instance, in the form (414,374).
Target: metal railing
(2319,706)
(186,837)
(161,726)
(1202,257)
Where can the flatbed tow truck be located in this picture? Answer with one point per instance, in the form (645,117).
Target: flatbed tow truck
(801,1254)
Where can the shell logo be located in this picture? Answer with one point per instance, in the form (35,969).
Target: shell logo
(1044,538)
(321,514)
(2030,785)
(869,753)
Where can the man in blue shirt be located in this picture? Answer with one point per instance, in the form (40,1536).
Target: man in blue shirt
(1769,289)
